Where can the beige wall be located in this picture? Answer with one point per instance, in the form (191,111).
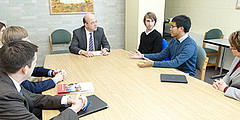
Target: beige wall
(205,15)
(135,11)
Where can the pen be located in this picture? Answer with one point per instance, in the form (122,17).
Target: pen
(86,106)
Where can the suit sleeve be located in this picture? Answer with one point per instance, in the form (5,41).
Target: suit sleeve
(233,93)
(14,107)
(104,41)
(38,87)
(40,72)
(73,48)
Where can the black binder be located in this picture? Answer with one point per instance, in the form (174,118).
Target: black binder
(96,104)
(173,78)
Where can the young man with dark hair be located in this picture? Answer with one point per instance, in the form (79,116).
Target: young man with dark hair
(17,61)
(182,49)
(151,39)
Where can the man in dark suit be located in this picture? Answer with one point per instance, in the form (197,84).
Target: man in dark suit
(89,38)
(17,61)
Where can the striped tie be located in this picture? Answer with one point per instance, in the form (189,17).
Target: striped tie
(90,42)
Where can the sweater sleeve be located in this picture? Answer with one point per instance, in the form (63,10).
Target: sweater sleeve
(187,53)
(160,55)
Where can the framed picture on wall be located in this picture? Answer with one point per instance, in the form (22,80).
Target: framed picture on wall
(71,6)
(238,4)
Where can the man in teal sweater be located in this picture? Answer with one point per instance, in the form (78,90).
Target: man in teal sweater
(182,49)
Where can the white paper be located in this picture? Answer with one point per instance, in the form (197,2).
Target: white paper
(86,87)
(97,53)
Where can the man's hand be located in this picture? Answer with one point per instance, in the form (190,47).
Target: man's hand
(219,84)
(86,53)
(146,63)
(58,71)
(135,54)
(104,52)
(78,103)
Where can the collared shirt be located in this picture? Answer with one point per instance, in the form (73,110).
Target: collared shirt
(183,38)
(88,37)
(17,85)
(149,31)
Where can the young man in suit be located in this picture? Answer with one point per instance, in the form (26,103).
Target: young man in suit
(230,84)
(89,38)
(19,33)
(17,61)
(182,49)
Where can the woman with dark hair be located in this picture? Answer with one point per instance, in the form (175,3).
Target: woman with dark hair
(230,84)
(2,28)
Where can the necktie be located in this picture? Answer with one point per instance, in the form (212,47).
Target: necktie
(90,42)
(21,91)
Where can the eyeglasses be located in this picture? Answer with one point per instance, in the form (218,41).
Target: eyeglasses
(172,26)
(92,23)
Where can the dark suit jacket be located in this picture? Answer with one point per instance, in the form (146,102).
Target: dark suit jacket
(234,89)
(15,106)
(39,87)
(40,72)
(79,40)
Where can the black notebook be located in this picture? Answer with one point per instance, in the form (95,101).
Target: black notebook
(173,78)
(96,104)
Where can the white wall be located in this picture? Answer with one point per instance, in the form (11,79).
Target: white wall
(134,26)
(205,15)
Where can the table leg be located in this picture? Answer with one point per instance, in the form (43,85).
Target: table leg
(221,67)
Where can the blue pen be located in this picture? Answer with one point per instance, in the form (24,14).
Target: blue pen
(86,106)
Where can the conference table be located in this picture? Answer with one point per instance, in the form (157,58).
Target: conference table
(134,93)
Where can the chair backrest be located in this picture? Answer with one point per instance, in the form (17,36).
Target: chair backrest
(164,44)
(213,34)
(202,61)
(60,36)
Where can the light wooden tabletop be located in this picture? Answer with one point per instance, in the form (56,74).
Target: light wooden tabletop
(134,93)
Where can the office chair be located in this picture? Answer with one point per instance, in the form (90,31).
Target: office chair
(164,45)
(202,61)
(213,34)
(60,36)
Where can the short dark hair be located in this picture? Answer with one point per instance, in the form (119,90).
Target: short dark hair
(16,54)
(150,15)
(84,20)
(2,25)
(234,40)
(182,21)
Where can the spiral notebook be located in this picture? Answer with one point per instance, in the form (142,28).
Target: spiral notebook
(173,78)
(96,104)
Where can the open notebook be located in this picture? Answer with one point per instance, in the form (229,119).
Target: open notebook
(96,104)
(173,78)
